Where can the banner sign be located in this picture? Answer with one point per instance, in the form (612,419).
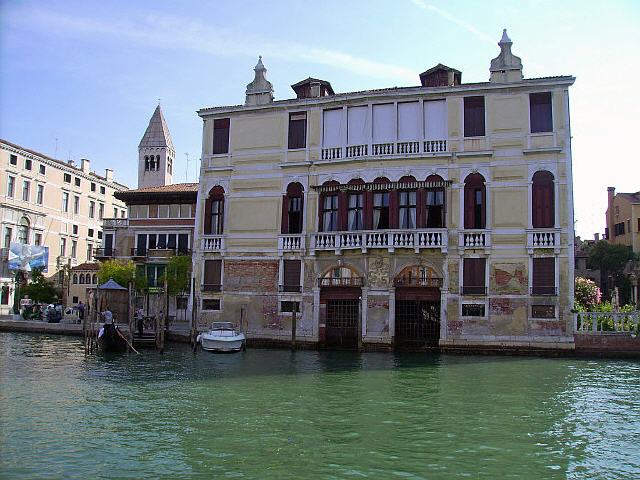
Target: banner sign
(27,257)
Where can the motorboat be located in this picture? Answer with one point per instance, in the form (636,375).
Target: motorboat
(223,337)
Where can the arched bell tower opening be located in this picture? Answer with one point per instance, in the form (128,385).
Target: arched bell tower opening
(156,153)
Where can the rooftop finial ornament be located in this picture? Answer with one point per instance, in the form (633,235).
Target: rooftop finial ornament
(260,91)
(506,67)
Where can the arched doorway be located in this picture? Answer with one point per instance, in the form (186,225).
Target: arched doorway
(417,308)
(340,297)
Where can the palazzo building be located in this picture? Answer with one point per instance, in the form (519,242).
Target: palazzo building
(433,215)
(48,202)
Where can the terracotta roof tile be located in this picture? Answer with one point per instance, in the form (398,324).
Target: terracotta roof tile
(173,188)
(86,266)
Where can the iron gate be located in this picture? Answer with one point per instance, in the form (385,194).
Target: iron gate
(417,322)
(342,323)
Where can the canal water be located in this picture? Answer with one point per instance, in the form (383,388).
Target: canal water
(276,414)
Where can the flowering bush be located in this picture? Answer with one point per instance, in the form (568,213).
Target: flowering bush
(587,294)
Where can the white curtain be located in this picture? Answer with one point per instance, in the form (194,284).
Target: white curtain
(332,128)
(355,211)
(407,209)
(330,215)
(408,121)
(358,125)
(435,120)
(383,123)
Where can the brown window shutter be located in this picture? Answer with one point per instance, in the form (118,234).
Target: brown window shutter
(544,275)
(291,275)
(474,273)
(212,275)
(421,207)
(285,214)
(393,209)
(320,212)
(207,216)
(343,217)
(368,209)
(297,130)
(221,136)
(468,206)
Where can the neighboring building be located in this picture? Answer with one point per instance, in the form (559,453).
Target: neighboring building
(440,214)
(581,259)
(623,219)
(82,278)
(160,221)
(44,201)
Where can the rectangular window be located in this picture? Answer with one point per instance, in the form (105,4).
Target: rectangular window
(409,121)
(155,274)
(407,210)
(544,278)
(63,247)
(473,273)
(76,204)
(74,248)
(618,229)
(65,202)
(115,212)
(26,186)
(435,208)
(11,186)
(221,136)
(13,159)
(182,303)
(540,112)
(330,213)
(185,210)
(473,116)
(102,190)
(212,276)
(93,187)
(216,217)
(297,130)
(141,245)
(355,214)
(332,128)
(152,239)
(358,126)
(174,211)
(37,239)
(43,169)
(89,251)
(543,311)
(100,211)
(27,164)
(211,304)
(163,211)
(74,229)
(289,307)
(473,310)
(99,235)
(77,181)
(162,241)
(381,210)
(92,209)
(384,128)
(67,178)
(183,243)
(435,120)
(39,194)
(291,275)
(8,233)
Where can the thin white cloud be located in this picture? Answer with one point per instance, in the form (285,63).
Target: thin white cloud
(193,35)
(452,18)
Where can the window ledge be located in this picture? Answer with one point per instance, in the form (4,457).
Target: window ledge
(542,150)
(295,164)
(301,149)
(478,153)
(219,169)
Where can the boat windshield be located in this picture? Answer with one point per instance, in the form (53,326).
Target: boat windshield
(223,326)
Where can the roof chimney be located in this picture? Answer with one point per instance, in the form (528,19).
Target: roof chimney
(260,91)
(440,76)
(84,164)
(506,67)
(312,88)
(108,174)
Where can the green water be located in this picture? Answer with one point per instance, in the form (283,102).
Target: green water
(277,414)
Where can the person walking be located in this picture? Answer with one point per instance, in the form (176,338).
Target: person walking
(108,316)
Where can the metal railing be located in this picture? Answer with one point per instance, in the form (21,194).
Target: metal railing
(341,282)
(417,282)
(104,252)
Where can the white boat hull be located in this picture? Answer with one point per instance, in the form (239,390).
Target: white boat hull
(213,343)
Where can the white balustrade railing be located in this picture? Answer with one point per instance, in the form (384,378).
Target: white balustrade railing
(389,239)
(291,242)
(435,146)
(543,238)
(606,322)
(474,239)
(357,150)
(213,243)
(408,147)
(383,148)
(331,153)
(115,222)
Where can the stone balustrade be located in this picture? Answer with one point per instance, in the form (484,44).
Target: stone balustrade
(606,322)
(213,243)
(387,239)
(478,238)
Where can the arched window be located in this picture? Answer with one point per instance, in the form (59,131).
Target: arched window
(292,208)
(382,200)
(355,205)
(214,212)
(157,162)
(341,276)
(23,230)
(75,278)
(329,213)
(407,201)
(81,279)
(542,200)
(435,202)
(475,199)
(146,163)
(95,279)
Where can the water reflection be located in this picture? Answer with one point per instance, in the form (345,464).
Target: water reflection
(307,414)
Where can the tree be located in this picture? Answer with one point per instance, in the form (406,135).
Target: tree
(39,289)
(611,260)
(122,271)
(587,294)
(178,274)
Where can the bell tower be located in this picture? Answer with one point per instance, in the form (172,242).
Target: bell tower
(155,153)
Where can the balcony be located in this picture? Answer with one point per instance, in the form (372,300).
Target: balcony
(473,290)
(548,291)
(213,243)
(474,239)
(104,253)
(341,282)
(388,239)
(543,238)
(413,147)
(291,243)
(417,282)
(115,222)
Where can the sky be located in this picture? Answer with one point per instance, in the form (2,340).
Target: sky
(80,79)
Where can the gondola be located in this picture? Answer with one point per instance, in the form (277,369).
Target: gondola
(111,339)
